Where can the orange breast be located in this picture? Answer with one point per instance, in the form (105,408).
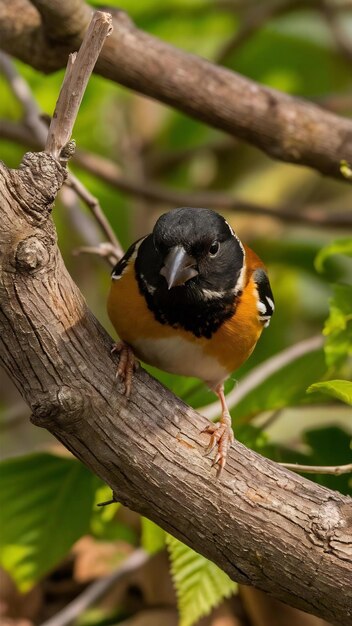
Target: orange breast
(129,313)
(236,338)
(231,345)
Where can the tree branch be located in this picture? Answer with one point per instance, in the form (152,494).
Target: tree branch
(78,71)
(97,590)
(106,170)
(34,132)
(254,18)
(286,128)
(149,450)
(333,470)
(109,172)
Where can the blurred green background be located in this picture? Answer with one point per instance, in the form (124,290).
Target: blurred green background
(293,49)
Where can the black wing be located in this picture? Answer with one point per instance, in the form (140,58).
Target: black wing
(122,263)
(266,304)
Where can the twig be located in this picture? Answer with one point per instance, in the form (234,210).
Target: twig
(24,95)
(82,222)
(162,161)
(37,135)
(274,415)
(109,172)
(105,250)
(132,160)
(96,590)
(333,470)
(79,68)
(94,205)
(254,19)
(337,102)
(19,133)
(333,19)
(260,373)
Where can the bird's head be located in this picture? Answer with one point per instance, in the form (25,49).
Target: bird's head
(197,248)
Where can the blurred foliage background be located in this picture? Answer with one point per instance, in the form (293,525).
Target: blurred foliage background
(297,47)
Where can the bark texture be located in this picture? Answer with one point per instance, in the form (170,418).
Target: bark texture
(43,33)
(262,524)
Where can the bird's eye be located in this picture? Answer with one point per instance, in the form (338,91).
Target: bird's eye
(214,248)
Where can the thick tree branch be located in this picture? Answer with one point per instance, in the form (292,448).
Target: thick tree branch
(262,524)
(109,172)
(284,127)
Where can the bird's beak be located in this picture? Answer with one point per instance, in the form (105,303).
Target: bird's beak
(179,267)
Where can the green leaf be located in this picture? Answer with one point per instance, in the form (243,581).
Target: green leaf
(338,326)
(345,170)
(46,503)
(340,246)
(340,389)
(200,584)
(153,537)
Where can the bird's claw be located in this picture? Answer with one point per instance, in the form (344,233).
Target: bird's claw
(127,365)
(221,438)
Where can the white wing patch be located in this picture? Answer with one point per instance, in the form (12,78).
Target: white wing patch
(270,303)
(265,299)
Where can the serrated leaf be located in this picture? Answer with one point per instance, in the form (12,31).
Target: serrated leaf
(46,503)
(340,246)
(200,584)
(340,389)
(153,537)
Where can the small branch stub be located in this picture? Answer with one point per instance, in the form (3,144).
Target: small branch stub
(79,68)
(31,255)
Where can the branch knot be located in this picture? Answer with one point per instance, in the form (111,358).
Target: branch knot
(32,254)
(37,183)
(324,525)
(64,406)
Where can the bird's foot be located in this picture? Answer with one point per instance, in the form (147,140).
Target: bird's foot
(221,439)
(127,364)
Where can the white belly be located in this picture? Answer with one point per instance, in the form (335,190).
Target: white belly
(179,356)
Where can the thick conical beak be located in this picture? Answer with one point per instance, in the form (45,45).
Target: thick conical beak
(179,267)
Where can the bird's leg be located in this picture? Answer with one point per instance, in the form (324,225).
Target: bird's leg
(127,364)
(221,433)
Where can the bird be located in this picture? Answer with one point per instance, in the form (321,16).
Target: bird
(191,299)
